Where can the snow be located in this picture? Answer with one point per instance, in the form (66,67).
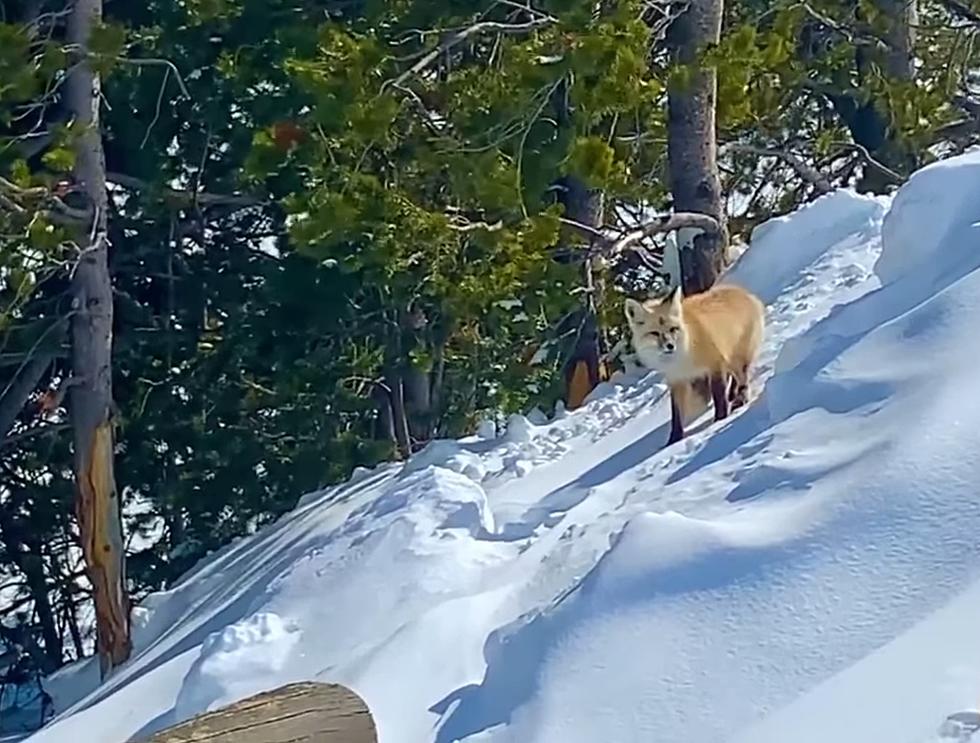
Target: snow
(806,570)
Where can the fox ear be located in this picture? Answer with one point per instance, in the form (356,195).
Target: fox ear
(633,309)
(675,298)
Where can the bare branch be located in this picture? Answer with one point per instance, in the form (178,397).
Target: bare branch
(961,10)
(586,229)
(460,36)
(152,62)
(20,388)
(33,432)
(850,36)
(203,198)
(662,225)
(871,161)
(526,8)
(465,226)
(57,210)
(807,172)
(611,247)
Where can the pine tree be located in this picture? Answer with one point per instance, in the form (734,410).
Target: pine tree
(97,505)
(692,140)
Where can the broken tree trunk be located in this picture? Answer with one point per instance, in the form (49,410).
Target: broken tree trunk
(96,499)
(692,147)
(299,713)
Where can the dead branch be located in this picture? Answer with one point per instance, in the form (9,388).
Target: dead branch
(588,230)
(34,432)
(203,198)
(166,63)
(14,198)
(806,171)
(460,36)
(871,161)
(664,224)
(961,10)
(844,32)
(24,382)
(465,226)
(609,247)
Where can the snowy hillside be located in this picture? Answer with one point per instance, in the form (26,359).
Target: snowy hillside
(808,570)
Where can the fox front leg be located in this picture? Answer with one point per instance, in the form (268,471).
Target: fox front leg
(676,419)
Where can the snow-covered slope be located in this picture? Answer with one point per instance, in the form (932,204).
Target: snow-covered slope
(807,570)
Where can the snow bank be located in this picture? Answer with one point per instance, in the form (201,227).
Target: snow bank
(242,659)
(933,225)
(572,580)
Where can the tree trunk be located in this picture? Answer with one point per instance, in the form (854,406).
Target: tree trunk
(384,425)
(437,388)
(869,121)
(399,416)
(33,567)
(692,147)
(417,389)
(97,503)
(583,368)
(902,17)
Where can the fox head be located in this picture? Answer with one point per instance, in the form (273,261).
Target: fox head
(658,327)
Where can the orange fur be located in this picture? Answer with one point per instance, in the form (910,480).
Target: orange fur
(713,335)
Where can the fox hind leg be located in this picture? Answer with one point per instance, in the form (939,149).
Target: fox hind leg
(739,391)
(719,394)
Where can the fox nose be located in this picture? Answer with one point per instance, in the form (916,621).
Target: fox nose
(669,347)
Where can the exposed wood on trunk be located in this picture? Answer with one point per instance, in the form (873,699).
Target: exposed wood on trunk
(691,141)
(97,504)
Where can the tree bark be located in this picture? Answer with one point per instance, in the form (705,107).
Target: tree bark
(583,368)
(97,503)
(37,583)
(902,19)
(692,147)
(399,416)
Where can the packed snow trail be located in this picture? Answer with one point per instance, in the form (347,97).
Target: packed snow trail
(573,581)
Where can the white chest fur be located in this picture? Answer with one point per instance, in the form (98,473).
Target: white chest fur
(677,367)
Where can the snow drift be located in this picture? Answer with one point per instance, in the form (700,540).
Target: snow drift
(805,570)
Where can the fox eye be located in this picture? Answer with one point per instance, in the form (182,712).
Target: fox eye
(655,333)
(675,330)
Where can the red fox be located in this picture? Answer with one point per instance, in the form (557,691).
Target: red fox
(713,335)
